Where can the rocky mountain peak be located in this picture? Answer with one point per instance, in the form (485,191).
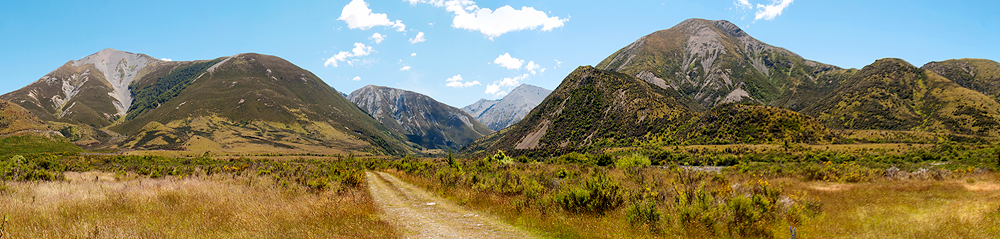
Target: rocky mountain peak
(120,69)
(499,114)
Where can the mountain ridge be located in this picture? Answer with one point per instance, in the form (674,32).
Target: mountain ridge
(502,113)
(242,103)
(422,119)
(715,62)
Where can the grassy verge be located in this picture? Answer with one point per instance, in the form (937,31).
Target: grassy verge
(155,197)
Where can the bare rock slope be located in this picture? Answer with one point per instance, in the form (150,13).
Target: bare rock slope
(499,114)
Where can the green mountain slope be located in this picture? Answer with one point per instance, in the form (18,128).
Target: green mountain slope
(715,62)
(23,133)
(425,121)
(891,94)
(588,107)
(740,123)
(247,103)
(594,108)
(14,119)
(976,74)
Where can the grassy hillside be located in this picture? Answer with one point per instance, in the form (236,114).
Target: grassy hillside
(23,133)
(590,107)
(741,123)
(257,103)
(14,118)
(594,109)
(165,87)
(68,94)
(891,94)
(977,74)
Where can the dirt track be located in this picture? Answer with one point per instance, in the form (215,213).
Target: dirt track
(419,214)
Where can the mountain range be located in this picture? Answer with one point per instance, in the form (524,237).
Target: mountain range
(708,82)
(242,103)
(425,121)
(507,111)
(699,82)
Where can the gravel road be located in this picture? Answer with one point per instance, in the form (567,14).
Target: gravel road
(420,214)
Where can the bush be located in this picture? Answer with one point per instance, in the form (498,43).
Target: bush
(634,161)
(644,213)
(574,158)
(604,160)
(599,195)
(501,158)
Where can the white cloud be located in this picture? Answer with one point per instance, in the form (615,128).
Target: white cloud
(508,62)
(359,50)
(356,78)
(359,16)
(436,3)
(405,68)
(166,59)
(769,12)
(413,54)
(558,63)
(507,82)
(494,89)
(457,82)
(418,39)
(378,38)
(533,68)
(492,23)
(743,4)
(512,82)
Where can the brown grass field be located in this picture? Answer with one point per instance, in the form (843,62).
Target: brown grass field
(97,205)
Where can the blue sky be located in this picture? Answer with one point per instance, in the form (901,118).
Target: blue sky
(469,50)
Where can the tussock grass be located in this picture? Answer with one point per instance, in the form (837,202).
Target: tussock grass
(215,206)
(909,209)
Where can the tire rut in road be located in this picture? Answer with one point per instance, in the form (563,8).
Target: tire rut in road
(419,214)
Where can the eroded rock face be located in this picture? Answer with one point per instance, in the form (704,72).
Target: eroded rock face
(120,69)
(716,62)
(92,90)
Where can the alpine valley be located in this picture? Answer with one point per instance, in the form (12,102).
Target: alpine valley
(696,131)
(699,82)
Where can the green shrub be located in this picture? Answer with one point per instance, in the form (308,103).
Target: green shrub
(501,158)
(573,158)
(634,161)
(599,195)
(605,160)
(644,213)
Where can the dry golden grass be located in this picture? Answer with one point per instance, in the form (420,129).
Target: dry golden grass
(961,208)
(220,206)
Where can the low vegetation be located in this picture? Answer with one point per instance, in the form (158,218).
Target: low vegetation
(713,191)
(728,191)
(47,195)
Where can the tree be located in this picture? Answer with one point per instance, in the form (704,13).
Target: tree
(451,160)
